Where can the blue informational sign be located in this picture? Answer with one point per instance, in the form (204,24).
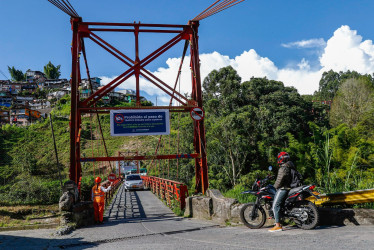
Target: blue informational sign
(139,122)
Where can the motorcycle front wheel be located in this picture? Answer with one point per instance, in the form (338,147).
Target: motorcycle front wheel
(246,216)
(310,217)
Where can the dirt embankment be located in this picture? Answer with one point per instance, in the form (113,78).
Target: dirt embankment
(27,217)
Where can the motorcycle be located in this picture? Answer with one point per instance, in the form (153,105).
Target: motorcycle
(303,212)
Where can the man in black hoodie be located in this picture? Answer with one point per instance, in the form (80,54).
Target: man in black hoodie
(283,185)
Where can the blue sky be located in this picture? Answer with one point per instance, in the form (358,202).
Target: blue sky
(256,37)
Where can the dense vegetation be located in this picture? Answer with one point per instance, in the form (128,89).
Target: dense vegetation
(247,124)
(28,168)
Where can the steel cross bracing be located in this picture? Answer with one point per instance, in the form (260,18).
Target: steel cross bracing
(136,67)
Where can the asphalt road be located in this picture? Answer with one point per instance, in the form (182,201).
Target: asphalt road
(138,220)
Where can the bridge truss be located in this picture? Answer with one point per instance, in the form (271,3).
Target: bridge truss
(136,67)
(89,30)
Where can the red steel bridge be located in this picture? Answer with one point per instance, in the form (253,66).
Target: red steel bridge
(136,67)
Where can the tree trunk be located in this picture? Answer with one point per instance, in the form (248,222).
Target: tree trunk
(233,168)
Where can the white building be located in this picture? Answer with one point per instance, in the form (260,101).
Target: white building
(127,91)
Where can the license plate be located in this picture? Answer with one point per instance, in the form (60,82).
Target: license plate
(134,186)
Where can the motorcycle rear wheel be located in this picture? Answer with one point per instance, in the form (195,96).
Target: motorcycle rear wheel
(245,216)
(312,219)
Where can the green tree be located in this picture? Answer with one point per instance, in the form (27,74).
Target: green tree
(16,75)
(353,100)
(280,110)
(331,81)
(247,123)
(52,71)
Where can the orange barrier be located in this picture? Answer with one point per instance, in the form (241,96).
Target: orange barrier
(167,190)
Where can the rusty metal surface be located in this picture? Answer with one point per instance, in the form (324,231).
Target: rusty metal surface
(187,33)
(167,190)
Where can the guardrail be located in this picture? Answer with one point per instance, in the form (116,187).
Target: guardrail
(344,198)
(167,190)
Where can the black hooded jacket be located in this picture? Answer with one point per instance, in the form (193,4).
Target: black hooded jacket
(284,176)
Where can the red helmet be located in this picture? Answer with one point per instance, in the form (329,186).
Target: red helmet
(98,179)
(283,157)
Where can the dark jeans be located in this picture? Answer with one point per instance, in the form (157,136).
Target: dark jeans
(280,196)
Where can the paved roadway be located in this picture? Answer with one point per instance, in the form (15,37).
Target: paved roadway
(138,220)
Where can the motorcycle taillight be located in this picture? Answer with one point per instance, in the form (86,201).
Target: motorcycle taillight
(312,187)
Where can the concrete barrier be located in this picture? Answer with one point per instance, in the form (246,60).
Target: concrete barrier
(346,216)
(224,210)
(216,207)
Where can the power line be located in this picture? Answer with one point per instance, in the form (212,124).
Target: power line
(4,75)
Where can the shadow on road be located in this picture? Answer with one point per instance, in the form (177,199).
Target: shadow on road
(127,207)
(22,242)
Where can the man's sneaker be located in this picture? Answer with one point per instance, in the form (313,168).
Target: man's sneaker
(276,229)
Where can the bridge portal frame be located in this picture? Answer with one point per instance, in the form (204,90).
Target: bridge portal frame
(188,33)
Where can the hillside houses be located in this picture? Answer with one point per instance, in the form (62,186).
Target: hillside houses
(54,83)
(22,103)
(58,94)
(35,76)
(4,116)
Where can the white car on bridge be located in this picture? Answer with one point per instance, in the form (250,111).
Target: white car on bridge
(133,182)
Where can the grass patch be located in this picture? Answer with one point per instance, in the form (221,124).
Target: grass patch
(176,208)
(236,194)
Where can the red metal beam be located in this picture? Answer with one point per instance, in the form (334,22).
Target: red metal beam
(141,157)
(111,52)
(110,46)
(106,89)
(167,189)
(137,67)
(201,165)
(140,25)
(161,50)
(110,86)
(167,86)
(133,30)
(74,174)
(163,89)
(106,110)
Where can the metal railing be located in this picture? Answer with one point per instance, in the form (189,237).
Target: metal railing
(112,191)
(167,190)
(344,198)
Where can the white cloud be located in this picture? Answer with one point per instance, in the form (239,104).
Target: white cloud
(312,43)
(250,64)
(344,51)
(305,81)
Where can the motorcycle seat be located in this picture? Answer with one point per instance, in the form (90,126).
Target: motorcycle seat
(295,190)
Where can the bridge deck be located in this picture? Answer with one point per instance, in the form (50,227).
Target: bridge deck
(136,205)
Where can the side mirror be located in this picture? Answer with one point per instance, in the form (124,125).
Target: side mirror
(270,168)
